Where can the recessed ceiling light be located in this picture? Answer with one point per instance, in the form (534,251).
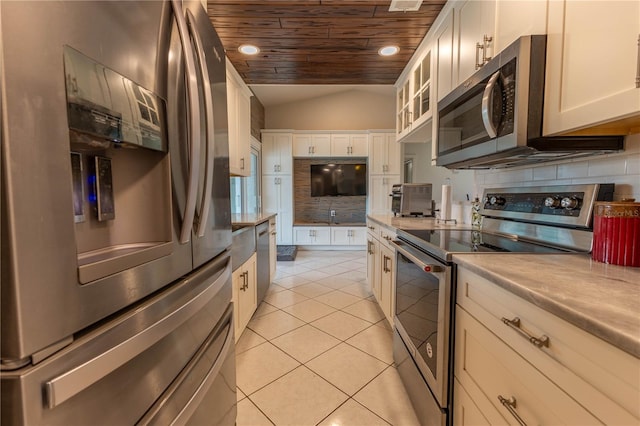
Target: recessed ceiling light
(249,49)
(405,5)
(388,50)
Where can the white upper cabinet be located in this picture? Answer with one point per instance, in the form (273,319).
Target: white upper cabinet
(276,153)
(517,18)
(474,35)
(384,154)
(312,145)
(592,66)
(414,103)
(443,46)
(239,122)
(348,145)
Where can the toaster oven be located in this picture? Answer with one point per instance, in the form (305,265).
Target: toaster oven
(412,199)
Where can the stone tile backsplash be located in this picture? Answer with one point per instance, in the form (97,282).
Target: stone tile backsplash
(310,210)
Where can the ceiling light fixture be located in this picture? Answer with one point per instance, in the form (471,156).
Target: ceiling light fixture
(388,50)
(405,5)
(249,49)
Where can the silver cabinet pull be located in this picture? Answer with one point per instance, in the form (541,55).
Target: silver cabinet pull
(510,405)
(478,63)
(385,268)
(275,168)
(537,341)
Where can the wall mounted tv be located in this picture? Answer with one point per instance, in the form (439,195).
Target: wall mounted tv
(338,179)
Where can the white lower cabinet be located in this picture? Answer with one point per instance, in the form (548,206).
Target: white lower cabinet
(381,259)
(518,363)
(373,247)
(277,197)
(329,235)
(387,280)
(311,235)
(273,249)
(348,236)
(380,187)
(244,294)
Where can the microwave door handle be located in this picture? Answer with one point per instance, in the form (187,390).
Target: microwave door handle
(210,133)
(194,123)
(487,105)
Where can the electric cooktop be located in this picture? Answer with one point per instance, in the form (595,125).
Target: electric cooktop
(444,243)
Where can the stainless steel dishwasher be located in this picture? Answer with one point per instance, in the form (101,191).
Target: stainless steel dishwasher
(262,249)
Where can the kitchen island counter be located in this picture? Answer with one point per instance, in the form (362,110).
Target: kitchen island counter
(252,219)
(602,299)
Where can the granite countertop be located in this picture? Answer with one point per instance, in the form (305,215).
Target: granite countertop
(329,224)
(250,219)
(601,299)
(396,222)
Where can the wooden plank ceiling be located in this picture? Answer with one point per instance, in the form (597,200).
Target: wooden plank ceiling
(320,41)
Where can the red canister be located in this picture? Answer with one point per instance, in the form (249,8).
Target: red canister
(616,233)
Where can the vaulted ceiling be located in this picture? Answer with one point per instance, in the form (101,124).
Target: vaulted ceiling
(320,41)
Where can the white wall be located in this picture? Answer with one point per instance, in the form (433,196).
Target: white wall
(352,110)
(623,169)
(424,172)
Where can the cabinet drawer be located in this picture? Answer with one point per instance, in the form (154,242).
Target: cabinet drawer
(386,236)
(489,370)
(595,373)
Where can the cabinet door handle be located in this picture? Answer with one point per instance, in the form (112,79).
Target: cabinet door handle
(275,168)
(478,63)
(510,405)
(279,168)
(485,46)
(537,341)
(242,287)
(242,163)
(386,268)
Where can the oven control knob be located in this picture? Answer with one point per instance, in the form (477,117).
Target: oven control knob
(552,202)
(570,203)
(496,201)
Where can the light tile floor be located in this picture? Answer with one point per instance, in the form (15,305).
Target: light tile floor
(318,350)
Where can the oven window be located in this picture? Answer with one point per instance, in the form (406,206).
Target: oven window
(417,294)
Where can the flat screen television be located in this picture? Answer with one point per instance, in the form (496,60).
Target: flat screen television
(338,179)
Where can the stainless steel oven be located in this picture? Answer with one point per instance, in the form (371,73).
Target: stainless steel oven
(421,344)
(550,219)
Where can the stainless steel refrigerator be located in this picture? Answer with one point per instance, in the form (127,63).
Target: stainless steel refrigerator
(116,274)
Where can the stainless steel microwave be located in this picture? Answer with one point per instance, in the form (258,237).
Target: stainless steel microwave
(494,119)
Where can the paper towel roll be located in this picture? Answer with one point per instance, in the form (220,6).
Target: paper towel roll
(445,204)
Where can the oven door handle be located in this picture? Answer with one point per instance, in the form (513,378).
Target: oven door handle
(426,267)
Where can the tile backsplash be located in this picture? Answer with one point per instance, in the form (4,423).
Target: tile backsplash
(622,169)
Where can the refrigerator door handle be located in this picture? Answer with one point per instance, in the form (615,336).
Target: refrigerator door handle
(194,123)
(71,383)
(208,108)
